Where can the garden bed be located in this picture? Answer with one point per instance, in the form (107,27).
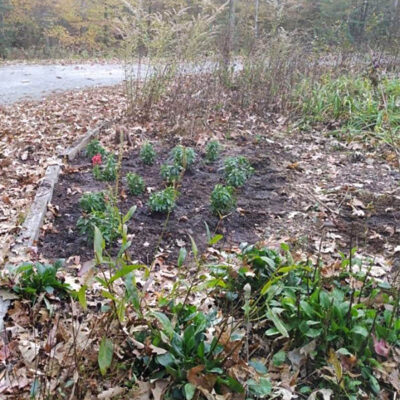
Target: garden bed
(258,200)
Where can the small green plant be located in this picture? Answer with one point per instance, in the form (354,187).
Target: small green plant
(107,222)
(212,151)
(183,156)
(94,148)
(187,351)
(106,172)
(148,154)
(33,279)
(135,184)
(237,171)
(171,173)
(163,201)
(90,202)
(222,200)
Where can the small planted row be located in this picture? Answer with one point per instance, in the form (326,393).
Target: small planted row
(237,170)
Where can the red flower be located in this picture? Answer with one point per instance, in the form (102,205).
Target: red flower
(96,160)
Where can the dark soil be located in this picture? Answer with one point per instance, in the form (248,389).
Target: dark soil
(260,198)
(278,204)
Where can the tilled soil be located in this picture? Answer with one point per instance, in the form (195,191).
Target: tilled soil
(257,202)
(310,194)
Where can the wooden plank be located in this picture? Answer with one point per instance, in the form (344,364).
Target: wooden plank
(33,222)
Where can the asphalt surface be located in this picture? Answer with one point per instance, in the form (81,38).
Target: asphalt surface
(19,82)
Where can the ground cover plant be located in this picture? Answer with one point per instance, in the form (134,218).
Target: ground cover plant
(222,200)
(163,201)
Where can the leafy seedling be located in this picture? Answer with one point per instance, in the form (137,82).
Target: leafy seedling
(222,200)
(94,148)
(148,154)
(212,151)
(171,173)
(90,202)
(237,171)
(33,279)
(183,156)
(135,184)
(163,201)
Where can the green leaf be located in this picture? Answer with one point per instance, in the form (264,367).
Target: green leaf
(194,247)
(232,384)
(277,322)
(105,355)
(360,330)
(127,269)
(166,359)
(129,214)
(260,389)
(182,256)
(189,390)
(165,322)
(215,239)
(99,245)
(258,366)
(279,358)
(82,296)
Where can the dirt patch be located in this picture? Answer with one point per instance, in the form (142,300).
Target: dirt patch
(258,202)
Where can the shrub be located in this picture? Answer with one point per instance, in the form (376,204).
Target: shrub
(171,173)
(222,200)
(163,201)
(212,151)
(33,279)
(183,156)
(135,184)
(107,221)
(237,170)
(90,202)
(94,148)
(148,154)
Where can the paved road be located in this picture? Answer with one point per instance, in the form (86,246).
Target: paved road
(18,82)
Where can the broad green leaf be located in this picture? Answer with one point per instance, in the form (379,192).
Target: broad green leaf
(258,366)
(189,390)
(260,389)
(360,330)
(129,214)
(194,247)
(82,297)
(165,323)
(182,256)
(166,359)
(127,269)
(99,245)
(279,358)
(215,239)
(105,355)
(277,322)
